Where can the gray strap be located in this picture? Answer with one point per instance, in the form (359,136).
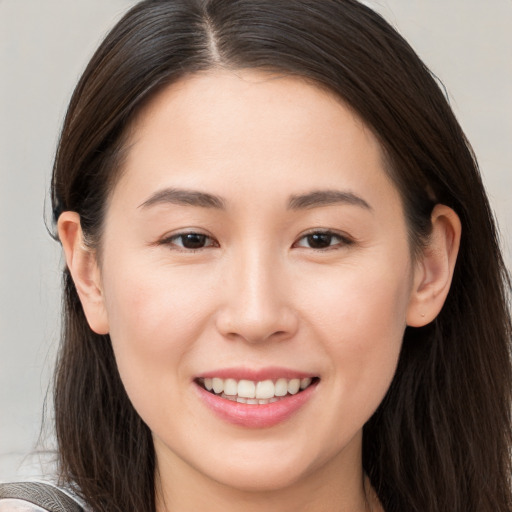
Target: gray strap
(43,495)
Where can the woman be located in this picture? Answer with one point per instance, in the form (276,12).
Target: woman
(283,288)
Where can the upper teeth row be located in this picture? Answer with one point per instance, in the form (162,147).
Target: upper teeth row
(262,389)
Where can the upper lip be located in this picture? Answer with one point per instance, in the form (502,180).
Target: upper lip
(256,374)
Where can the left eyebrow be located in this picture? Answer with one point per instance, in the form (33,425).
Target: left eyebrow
(324,198)
(184,197)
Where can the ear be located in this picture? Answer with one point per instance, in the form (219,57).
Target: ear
(434,268)
(83,266)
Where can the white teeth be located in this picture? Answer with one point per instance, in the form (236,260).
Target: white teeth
(281,387)
(249,392)
(230,387)
(247,389)
(218,385)
(265,389)
(304,383)
(293,386)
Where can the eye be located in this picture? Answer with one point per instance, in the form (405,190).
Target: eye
(191,241)
(322,240)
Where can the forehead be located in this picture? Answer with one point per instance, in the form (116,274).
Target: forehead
(260,130)
(246,99)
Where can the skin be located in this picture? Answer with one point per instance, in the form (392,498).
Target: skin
(257,294)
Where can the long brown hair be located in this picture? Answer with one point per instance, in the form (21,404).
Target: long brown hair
(441,439)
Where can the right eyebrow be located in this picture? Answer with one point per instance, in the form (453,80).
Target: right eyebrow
(184,197)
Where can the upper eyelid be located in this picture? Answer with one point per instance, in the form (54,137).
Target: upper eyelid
(326,231)
(186,231)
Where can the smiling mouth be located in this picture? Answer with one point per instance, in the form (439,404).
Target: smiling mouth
(255,392)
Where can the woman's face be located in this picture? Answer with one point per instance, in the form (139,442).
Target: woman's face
(255,242)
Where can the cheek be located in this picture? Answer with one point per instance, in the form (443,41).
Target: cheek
(361,300)
(154,322)
(154,306)
(361,322)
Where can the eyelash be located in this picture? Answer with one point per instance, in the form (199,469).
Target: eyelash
(343,240)
(171,241)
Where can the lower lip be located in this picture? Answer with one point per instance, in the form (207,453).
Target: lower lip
(256,416)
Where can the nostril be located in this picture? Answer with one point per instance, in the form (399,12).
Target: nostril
(257,320)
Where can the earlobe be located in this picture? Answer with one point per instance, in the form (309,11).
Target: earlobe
(83,266)
(434,268)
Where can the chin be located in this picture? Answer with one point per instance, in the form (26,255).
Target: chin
(259,480)
(266,471)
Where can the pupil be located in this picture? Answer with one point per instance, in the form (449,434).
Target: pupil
(193,241)
(319,240)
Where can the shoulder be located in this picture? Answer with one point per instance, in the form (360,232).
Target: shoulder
(16,505)
(36,497)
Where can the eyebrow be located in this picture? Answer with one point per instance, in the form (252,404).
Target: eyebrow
(324,198)
(184,197)
(195,198)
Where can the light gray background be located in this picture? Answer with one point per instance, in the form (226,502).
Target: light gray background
(44,45)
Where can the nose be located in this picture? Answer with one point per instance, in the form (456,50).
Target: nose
(258,303)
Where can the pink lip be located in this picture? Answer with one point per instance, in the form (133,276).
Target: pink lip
(269,373)
(256,416)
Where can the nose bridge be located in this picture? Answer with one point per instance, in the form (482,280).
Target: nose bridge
(257,304)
